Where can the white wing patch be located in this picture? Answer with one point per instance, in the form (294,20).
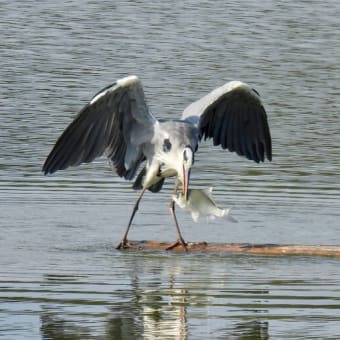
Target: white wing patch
(103,93)
(119,83)
(127,81)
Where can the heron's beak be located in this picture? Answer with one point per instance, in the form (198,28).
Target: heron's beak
(186,177)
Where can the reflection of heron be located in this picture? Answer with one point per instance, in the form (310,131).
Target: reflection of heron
(117,123)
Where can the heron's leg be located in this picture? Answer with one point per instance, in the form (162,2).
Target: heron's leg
(123,242)
(172,212)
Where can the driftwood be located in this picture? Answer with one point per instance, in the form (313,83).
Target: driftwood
(242,248)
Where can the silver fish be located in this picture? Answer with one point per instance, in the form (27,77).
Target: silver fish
(201,203)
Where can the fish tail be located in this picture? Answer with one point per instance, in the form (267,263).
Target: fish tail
(226,216)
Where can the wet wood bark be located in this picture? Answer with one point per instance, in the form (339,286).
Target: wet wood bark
(242,248)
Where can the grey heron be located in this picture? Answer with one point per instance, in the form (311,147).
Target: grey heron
(118,123)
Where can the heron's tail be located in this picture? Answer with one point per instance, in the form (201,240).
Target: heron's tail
(138,184)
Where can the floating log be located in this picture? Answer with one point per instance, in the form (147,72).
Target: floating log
(242,248)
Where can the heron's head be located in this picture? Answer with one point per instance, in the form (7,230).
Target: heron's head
(184,172)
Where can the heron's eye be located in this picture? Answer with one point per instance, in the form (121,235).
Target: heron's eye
(166,145)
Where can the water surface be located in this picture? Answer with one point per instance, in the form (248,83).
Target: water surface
(60,275)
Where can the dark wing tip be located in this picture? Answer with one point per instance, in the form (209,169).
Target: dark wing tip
(269,149)
(46,170)
(48,167)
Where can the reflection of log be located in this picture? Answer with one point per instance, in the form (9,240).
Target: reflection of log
(244,248)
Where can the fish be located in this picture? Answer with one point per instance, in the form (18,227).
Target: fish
(200,203)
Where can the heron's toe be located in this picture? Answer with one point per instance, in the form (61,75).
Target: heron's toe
(178,243)
(123,244)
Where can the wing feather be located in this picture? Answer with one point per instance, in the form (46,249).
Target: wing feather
(234,117)
(238,133)
(108,125)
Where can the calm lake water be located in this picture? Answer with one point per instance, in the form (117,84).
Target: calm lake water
(60,275)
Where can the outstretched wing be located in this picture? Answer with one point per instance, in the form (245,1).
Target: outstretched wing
(115,122)
(235,118)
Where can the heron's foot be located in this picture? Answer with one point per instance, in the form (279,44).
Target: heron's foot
(178,243)
(124,244)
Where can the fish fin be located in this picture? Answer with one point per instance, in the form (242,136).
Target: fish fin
(227,216)
(195,216)
(178,201)
(208,192)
